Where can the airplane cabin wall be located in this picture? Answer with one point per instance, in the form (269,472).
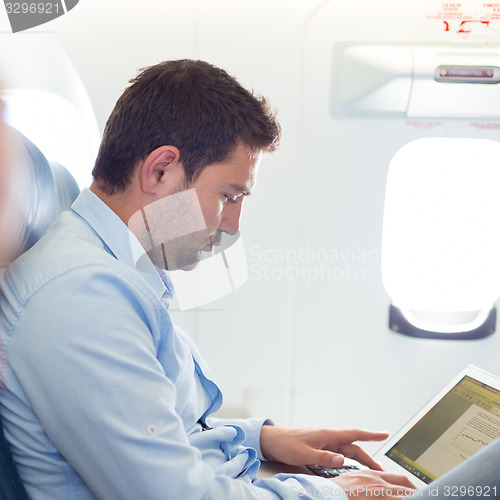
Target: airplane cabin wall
(370,375)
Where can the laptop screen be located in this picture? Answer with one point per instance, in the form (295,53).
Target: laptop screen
(461,423)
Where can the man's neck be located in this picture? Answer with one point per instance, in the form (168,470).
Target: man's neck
(122,203)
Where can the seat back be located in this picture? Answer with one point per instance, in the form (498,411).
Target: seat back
(46,189)
(41,189)
(11,486)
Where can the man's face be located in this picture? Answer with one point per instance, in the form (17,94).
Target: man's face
(209,206)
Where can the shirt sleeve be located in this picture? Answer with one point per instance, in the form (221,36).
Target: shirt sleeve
(251,427)
(85,355)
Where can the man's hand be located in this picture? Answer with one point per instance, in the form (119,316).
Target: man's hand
(371,484)
(317,446)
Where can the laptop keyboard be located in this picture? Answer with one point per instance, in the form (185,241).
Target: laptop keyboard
(330,472)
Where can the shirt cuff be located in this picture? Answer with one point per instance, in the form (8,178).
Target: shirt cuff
(251,427)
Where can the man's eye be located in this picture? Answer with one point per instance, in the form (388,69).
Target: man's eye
(231,199)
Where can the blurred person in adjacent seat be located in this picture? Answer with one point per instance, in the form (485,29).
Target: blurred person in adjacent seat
(3,188)
(12,189)
(11,486)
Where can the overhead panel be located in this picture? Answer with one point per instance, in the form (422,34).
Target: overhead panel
(388,80)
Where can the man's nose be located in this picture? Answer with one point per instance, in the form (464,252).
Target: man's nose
(230,222)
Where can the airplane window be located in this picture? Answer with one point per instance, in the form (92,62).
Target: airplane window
(441,242)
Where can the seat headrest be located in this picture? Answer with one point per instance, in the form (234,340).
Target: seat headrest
(39,191)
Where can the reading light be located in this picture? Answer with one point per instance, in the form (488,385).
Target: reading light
(441,238)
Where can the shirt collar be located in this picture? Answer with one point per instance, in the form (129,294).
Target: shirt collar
(117,238)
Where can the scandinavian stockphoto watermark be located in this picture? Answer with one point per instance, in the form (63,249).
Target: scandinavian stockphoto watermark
(205,264)
(27,14)
(311,263)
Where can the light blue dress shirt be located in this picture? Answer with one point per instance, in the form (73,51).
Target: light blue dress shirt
(102,395)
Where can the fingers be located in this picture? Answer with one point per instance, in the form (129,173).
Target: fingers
(350,435)
(345,444)
(337,460)
(324,458)
(357,453)
(367,484)
(390,478)
(397,479)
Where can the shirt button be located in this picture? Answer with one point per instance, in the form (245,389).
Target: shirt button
(152,430)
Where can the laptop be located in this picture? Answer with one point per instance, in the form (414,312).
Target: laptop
(460,420)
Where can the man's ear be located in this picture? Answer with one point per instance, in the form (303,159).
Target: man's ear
(160,167)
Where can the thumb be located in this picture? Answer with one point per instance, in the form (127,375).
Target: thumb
(326,458)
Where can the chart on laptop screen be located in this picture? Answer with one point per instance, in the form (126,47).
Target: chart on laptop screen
(463,421)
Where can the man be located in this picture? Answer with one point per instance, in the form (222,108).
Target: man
(10,483)
(4,234)
(12,159)
(103,396)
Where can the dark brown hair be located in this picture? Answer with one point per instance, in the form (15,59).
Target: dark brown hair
(191,105)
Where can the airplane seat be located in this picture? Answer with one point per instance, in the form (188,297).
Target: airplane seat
(39,191)
(11,486)
(42,190)
(67,189)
